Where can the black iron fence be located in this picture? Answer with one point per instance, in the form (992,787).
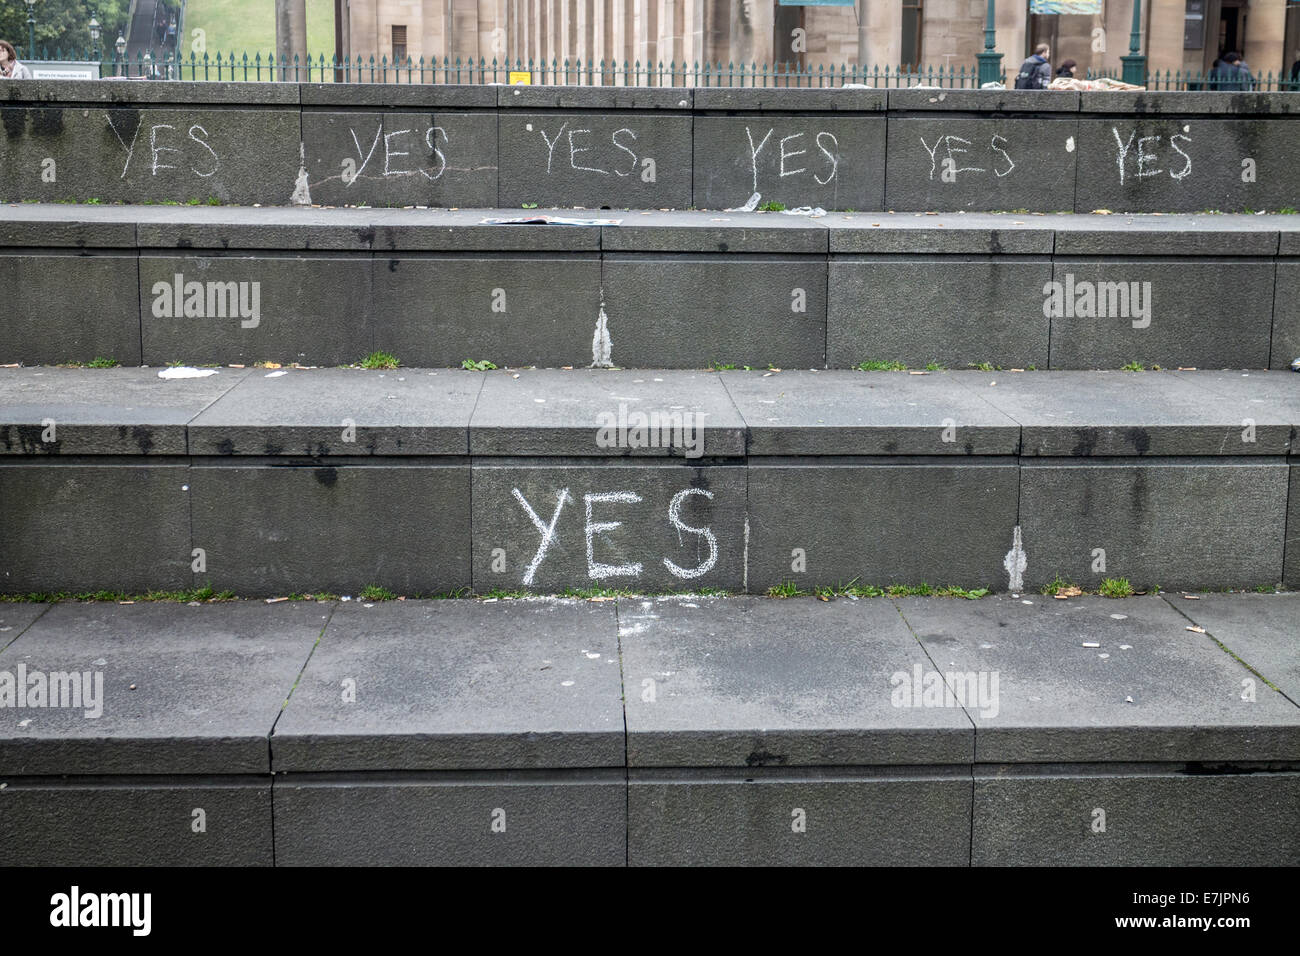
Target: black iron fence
(258,67)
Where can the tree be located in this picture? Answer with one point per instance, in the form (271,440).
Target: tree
(63,25)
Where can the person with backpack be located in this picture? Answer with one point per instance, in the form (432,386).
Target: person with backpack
(1035,73)
(1233,74)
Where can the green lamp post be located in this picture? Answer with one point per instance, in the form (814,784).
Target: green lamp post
(1135,64)
(990,62)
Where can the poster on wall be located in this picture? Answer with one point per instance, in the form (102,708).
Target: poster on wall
(1089,8)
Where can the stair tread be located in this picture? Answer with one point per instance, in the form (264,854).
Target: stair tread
(413,411)
(704,681)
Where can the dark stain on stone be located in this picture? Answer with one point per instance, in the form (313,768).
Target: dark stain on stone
(271,448)
(326,476)
(143,439)
(1140,439)
(47,122)
(225,447)
(367,236)
(995,243)
(722,247)
(15,121)
(970,447)
(1085,442)
(392,265)
(761,758)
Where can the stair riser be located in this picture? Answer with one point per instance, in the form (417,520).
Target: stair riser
(272,528)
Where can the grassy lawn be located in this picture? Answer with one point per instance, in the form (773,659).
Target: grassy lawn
(236,26)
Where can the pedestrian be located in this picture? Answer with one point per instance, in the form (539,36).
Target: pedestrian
(1035,72)
(1295,72)
(1067,69)
(10,68)
(1233,74)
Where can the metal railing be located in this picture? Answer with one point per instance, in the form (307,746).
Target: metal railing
(258,67)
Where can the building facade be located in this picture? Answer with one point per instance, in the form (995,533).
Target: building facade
(1177,35)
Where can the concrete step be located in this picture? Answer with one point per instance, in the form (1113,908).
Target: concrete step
(430,481)
(1013,730)
(152,285)
(649,148)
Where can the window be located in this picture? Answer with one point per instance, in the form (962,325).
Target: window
(1194,25)
(399,44)
(912,21)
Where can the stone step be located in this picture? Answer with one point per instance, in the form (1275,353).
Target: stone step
(152,285)
(1013,730)
(482,145)
(431,481)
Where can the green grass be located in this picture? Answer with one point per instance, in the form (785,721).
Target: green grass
(380,360)
(934,367)
(373,592)
(721,367)
(1116,588)
(1058,582)
(100,362)
(772,206)
(881,367)
(982,366)
(181,597)
(1133,367)
(239,26)
(1287,211)
(481,365)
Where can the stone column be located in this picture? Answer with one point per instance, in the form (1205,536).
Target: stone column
(880,33)
(291,34)
(1265,34)
(1163,35)
(1012,24)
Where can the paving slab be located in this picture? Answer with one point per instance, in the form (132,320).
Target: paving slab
(516,818)
(1084,414)
(80,525)
(270,528)
(752,682)
(30,224)
(550,524)
(431,158)
(1177,235)
(131,821)
(125,411)
(458,685)
(594,160)
(950,310)
(867,413)
(1291,562)
(1263,630)
(829,522)
(243,309)
(475,230)
(164,153)
(941,234)
(971,101)
(518,310)
(1286,318)
(278,228)
(808,817)
(653,230)
(1177,522)
(765,732)
(355,94)
(1149,690)
(1024,817)
(948,162)
(16,617)
(324,412)
(1165,162)
(51,315)
(184,92)
(693,311)
(608,413)
(787,99)
(166,688)
(831,161)
(1199,313)
(1269,398)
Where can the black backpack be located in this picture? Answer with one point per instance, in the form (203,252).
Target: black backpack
(1028,77)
